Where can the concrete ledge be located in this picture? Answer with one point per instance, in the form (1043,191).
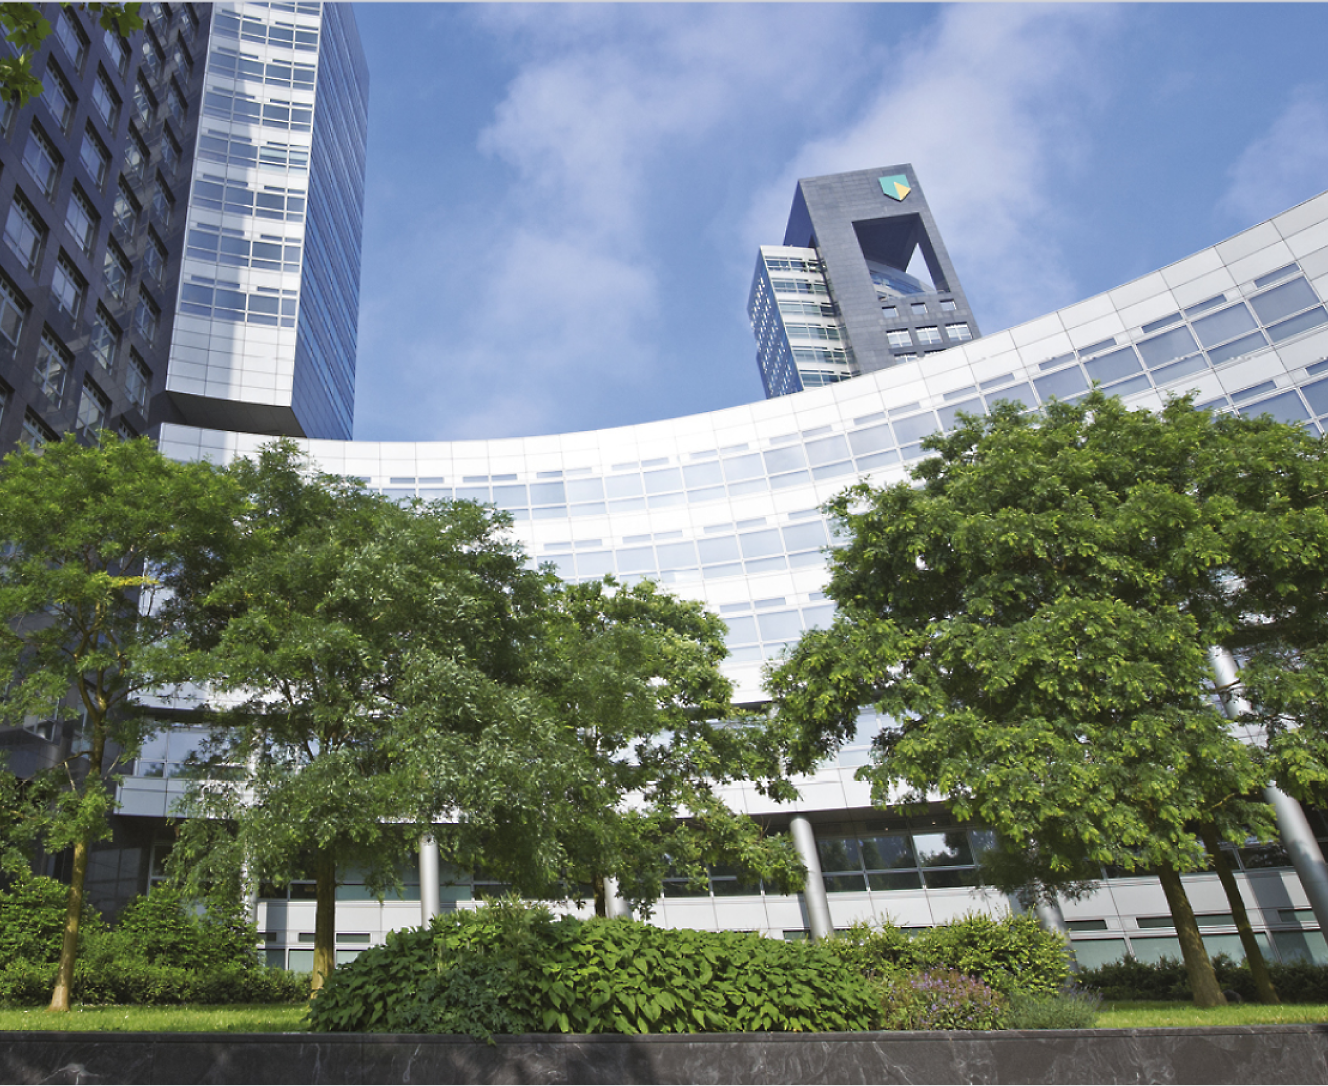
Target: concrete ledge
(1236,1054)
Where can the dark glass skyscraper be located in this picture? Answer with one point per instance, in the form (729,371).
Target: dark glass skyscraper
(182,224)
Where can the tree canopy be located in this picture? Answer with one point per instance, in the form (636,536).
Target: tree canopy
(1034,611)
(25,28)
(98,542)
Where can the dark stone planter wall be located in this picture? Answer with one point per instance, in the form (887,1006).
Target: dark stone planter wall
(1237,1054)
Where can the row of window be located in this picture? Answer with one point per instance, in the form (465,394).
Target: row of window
(234,150)
(238,106)
(280,35)
(228,303)
(918,309)
(245,66)
(271,202)
(229,247)
(930,335)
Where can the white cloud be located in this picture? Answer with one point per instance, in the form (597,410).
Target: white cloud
(1285,165)
(989,106)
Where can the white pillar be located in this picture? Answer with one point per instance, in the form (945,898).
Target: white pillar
(430,905)
(1292,825)
(613,904)
(813,895)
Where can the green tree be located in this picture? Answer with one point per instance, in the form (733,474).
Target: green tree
(634,672)
(25,28)
(1034,613)
(97,542)
(374,659)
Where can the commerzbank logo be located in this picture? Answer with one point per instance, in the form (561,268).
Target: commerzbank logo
(895,186)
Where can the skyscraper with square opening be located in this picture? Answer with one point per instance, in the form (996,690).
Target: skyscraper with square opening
(862,282)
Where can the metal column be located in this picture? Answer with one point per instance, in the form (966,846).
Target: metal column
(613,904)
(430,904)
(813,895)
(1294,828)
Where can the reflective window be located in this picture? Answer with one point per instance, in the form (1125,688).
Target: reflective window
(105,101)
(138,382)
(42,161)
(170,152)
(105,339)
(958,332)
(929,335)
(176,104)
(67,287)
(1061,384)
(948,306)
(136,156)
(82,221)
(58,96)
(153,58)
(1273,305)
(24,233)
(1295,325)
(115,268)
(119,50)
(915,428)
(53,365)
(919,308)
(1285,408)
(760,544)
(13,309)
(154,257)
(147,317)
(126,209)
(94,156)
(743,467)
(71,38)
(899,338)
(715,550)
(1224,325)
(1161,349)
(1111,367)
(163,203)
(35,434)
(94,410)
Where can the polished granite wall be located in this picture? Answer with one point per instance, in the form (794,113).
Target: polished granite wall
(1236,1054)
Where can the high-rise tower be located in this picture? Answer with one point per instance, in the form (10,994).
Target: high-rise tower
(182,216)
(862,282)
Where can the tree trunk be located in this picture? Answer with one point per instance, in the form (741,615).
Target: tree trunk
(325,918)
(1263,983)
(601,895)
(64,976)
(1203,980)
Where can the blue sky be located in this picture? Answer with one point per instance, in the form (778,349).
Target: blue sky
(564,203)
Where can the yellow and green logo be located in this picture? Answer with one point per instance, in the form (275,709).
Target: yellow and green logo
(896,186)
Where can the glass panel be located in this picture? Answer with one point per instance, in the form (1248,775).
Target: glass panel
(1296,325)
(894,880)
(780,625)
(744,467)
(943,849)
(844,884)
(918,426)
(676,555)
(1113,366)
(1236,348)
(1174,344)
(742,630)
(623,486)
(1061,384)
(949,880)
(760,544)
(873,439)
(1273,305)
(839,854)
(801,537)
(707,474)
(547,493)
(585,490)
(1177,370)
(636,560)
(723,549)
(1020,394)
(886,853)
(1224,325)
(1285,408)
(786,459)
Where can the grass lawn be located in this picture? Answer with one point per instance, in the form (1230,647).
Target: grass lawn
(1148,1015)
(232,1018)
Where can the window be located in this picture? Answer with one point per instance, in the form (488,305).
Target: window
(126,208)
(184,63)
(116,270)
(7,114)
(35,433)
(163,203)
(13,310)
(153,57)
(170,152)
(147,317)
(58,96)
(82,221)
(898,339)
(948,305)
(136,156)
(959,332)
(145,104)
(67,287)
(105,339)
(138,382)
(42,161)
(154,257)
(175,103)
(94,156)
(94,410)
(118,48)
(53,365)
(919,309)
(928,335)
(189,24)
(105,101)
(72,38)
(24,233)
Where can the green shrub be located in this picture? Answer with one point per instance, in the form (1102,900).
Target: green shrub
(26,983)
(32,920)
(1010,953)
(1072,1008)
(506,968)
(1165,979)
(940,1000)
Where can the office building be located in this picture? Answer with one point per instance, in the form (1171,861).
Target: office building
(181,256)
(182,224)
(862,282)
